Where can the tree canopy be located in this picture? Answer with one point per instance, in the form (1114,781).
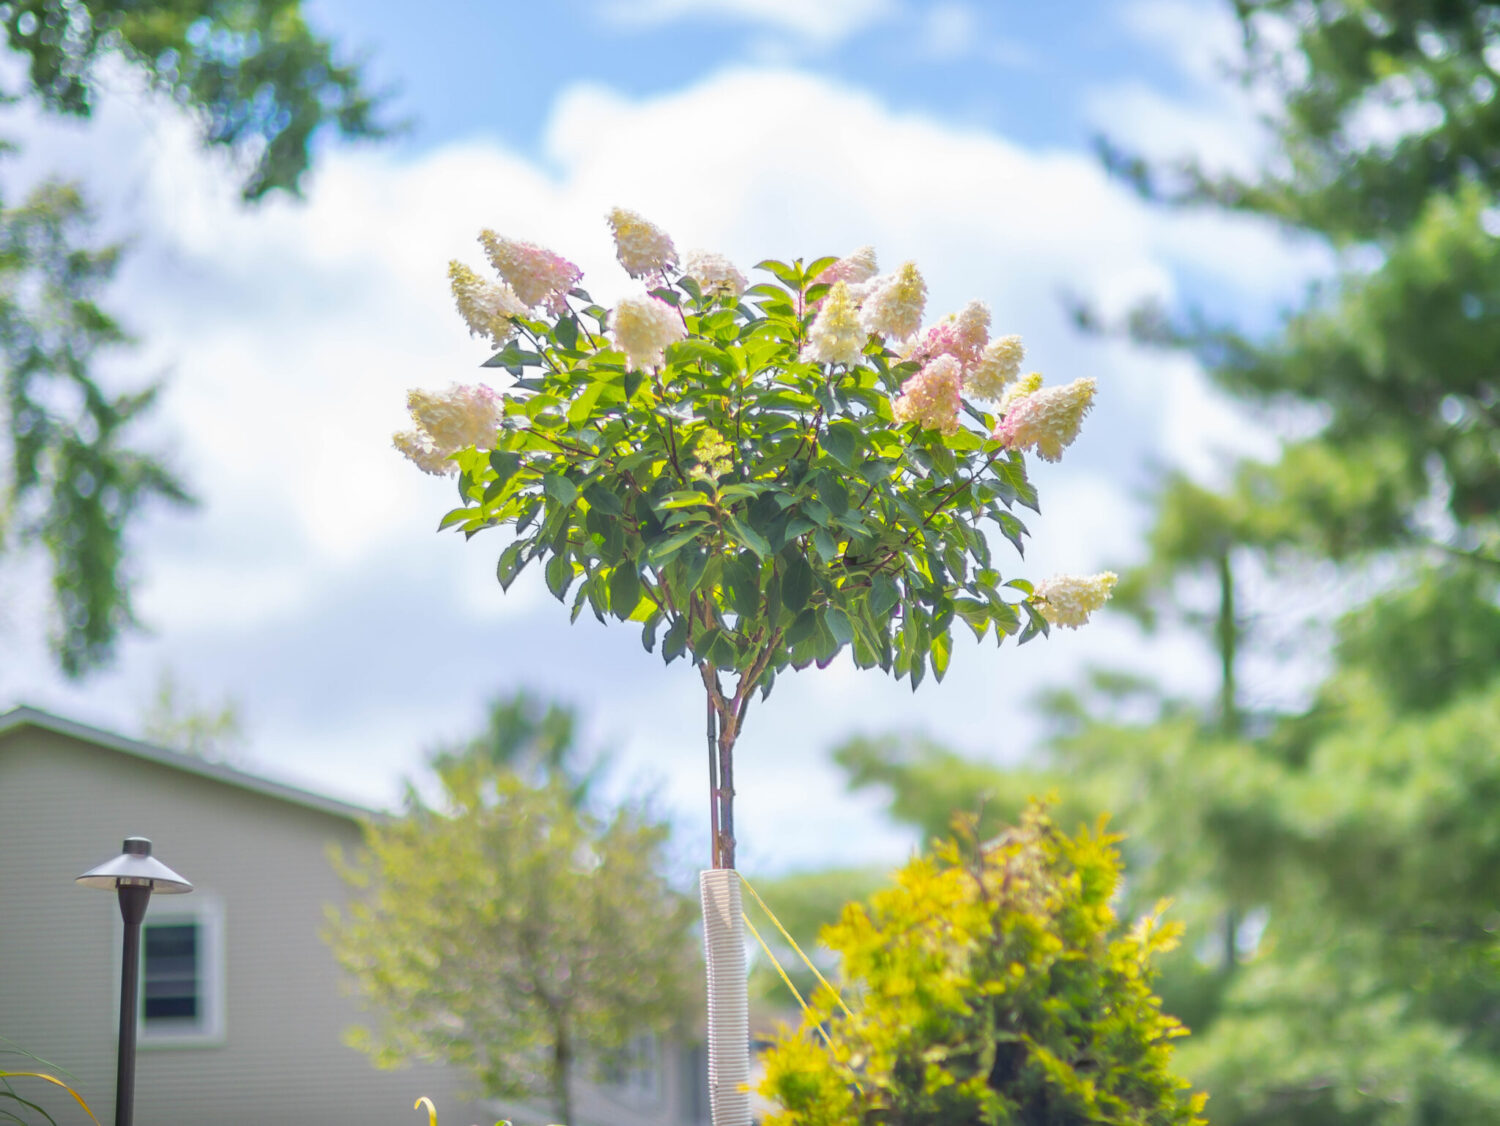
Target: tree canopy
(263,86)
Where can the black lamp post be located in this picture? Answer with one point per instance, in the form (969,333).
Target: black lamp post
(133,875)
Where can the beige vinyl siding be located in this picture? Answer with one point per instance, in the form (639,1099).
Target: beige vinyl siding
(65,805)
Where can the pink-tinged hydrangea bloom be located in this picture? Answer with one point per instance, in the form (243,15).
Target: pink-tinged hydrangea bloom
(997,367)
(419,449)
(537,275)
(642,327)
(1047,420)
(1019,390)
(714,273)
(486,307)
(464,415)
(963,337)
(836,336)
(894,307)
(930,398)
(855,269)
(1068,600)
(643,248)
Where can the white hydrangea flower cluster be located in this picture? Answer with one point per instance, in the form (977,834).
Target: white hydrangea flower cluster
(1047,420)
(836,335)
(642,327)
(931,397)
(714,273)
(486,308)
(998,366)
(642,247)
(1068,600)
(536,274)
(895,303)
(856,268)
(446,421)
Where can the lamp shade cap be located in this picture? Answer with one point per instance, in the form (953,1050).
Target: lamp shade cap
(135,867)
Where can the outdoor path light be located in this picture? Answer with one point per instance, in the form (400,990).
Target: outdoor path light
(133,875)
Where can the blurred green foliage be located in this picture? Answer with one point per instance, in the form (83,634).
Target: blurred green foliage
(511,929)
(1334,862)
(262,86)
(992,984)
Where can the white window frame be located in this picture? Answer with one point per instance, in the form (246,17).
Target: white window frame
(206,912)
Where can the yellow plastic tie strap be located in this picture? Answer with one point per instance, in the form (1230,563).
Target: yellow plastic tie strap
(823,981)
(52,1079)
(777,963)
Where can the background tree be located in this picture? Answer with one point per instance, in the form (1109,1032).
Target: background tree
(1332,859)
(510,929)
(176,719)
(264,87)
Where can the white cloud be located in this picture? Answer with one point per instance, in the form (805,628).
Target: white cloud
(820,22)
(312,586)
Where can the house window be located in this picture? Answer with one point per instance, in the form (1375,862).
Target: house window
(635,1073)
(182,974)
(171,976)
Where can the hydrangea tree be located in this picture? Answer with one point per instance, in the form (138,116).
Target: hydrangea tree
(761,476)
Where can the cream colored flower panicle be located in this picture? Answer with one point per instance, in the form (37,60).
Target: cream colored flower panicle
(642,327)
(856,268)
(643,248)
(963,337)
(714,273)
(447,421)
(420,450)
(836,336)
(998,366)
(1019,390)
(894,307)
(464,415)
(487,308)
(931,397)
(1068,600)
(537,275)
(1047,420)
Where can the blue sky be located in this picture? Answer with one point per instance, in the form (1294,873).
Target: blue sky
(1019,69)
(310,587)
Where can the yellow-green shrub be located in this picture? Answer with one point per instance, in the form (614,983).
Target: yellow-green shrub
(993,984)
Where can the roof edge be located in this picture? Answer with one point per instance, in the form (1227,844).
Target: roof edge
(24,716)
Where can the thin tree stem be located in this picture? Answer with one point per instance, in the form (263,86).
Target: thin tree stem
(713,782)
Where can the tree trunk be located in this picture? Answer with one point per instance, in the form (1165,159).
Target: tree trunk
(1228,636)
(562,1066)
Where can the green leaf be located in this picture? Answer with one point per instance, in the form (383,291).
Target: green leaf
(838,624)
(513,359)
(663,550)
(842,442)
(674,643)
(510,564)
(750,537)
(560,575)
(827,548)
(624,590)
(803,628)
(796,583)
(682,498)
(884,594)
(942,652)
(559,488)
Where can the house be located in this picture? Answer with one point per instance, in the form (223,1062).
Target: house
(243,1006)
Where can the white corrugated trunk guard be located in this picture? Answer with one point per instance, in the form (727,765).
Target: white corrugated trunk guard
(728,997)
